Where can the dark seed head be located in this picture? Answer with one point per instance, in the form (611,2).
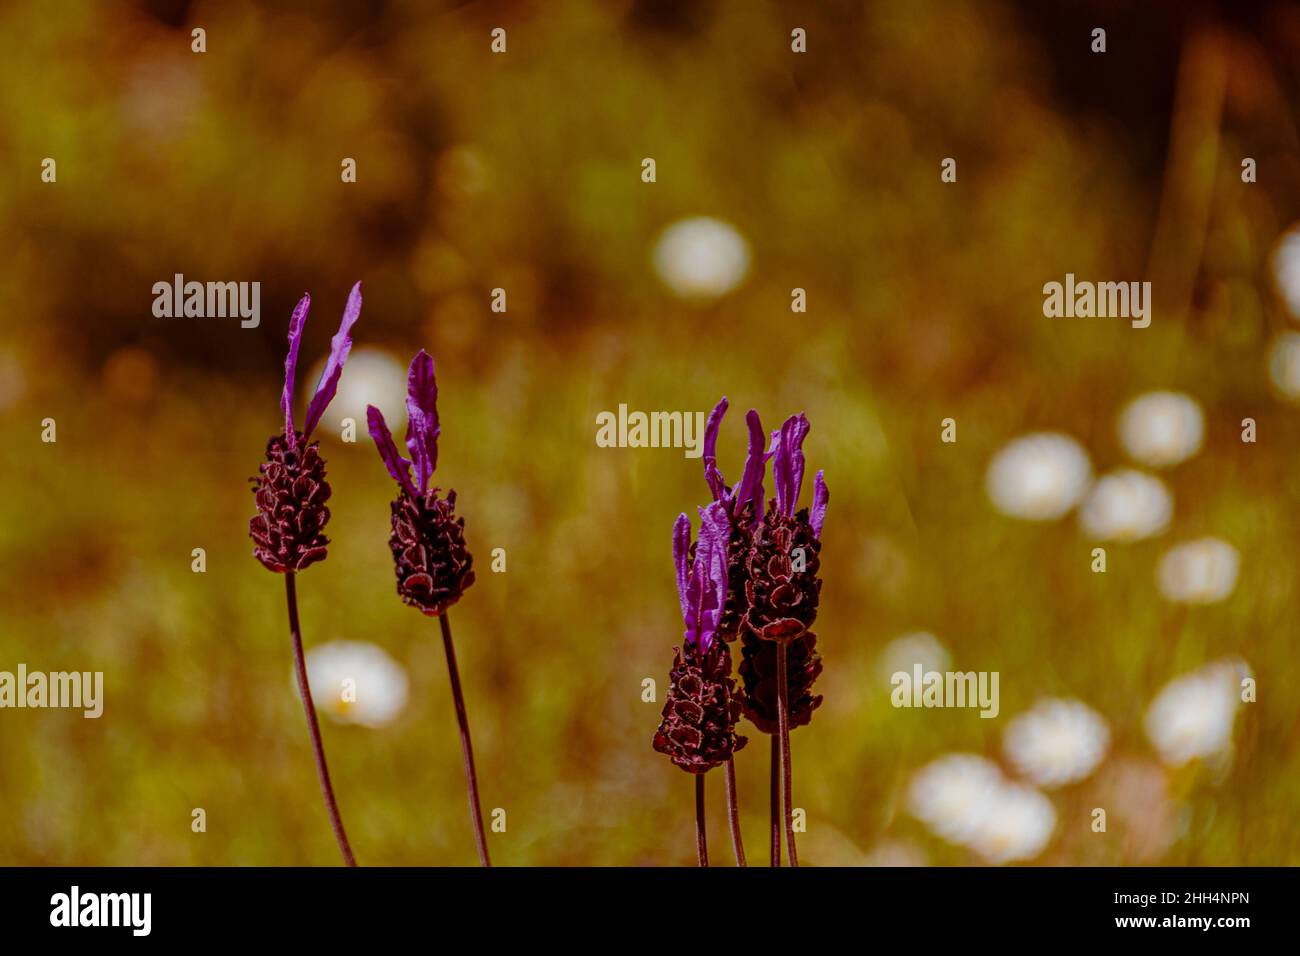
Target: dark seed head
(698,726)
(290,491)
(434,568)
(782,587)
(757,671)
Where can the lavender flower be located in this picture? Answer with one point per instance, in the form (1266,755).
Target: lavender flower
(433,566)
(783,588)
(697,729)
(288,529)
(290,489)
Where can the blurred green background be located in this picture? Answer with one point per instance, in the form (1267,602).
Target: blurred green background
(522,171)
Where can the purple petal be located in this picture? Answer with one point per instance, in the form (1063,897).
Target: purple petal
(296,322)
(340,345)
(711,570)
(422,428)
(751,481)
(711,474)
(802,427)
(787,470)
(821,498)
(681,549)
(397,466)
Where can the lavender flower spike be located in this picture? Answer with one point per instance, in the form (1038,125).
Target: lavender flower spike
(290,491)
(432,564)
(290,488)
(340,346)
(698,726)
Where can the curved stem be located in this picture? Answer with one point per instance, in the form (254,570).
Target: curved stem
(467,749)
(701,844)
(733,814)
(774,798)
(304,690)
(783,716)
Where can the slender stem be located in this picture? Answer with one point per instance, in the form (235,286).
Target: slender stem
(471,778)
(783,717)
(774,799)
(733,812)
(701,844)
(304,689)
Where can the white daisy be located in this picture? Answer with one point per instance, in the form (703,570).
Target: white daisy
(1284,365)
(953,794)
(1057,742)
(355,682)
(1192,716)
(1017,827)
(905,652)
(1162,428)
(371,377)
(1039,476)
(1126,505)
(1203,571)
(701,258)
(1286,269)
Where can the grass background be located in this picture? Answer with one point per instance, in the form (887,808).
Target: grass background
(521,171)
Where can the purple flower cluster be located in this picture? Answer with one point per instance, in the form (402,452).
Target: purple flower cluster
(752,574)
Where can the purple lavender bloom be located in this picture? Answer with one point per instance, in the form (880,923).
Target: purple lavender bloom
(783,587)
(288,529)
(697,729)
(290,488)
(433,566)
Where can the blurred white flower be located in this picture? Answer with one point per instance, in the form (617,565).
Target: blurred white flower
(701,258)
(1126,505)
(370,377)
(355,682)
(1284,365)
(895,853)
(953,794)
(1039,476)
(1059,741)
(1286,269)
(1192,716)
(905,652)
(1162,428)
(1203,571)
(1017,827)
